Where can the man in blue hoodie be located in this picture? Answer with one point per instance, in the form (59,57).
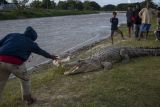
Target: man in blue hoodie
(15,49)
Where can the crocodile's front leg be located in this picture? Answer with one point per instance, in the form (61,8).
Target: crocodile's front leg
(107,65)
(124,55)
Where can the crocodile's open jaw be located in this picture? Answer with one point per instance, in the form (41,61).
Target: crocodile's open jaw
(76,67)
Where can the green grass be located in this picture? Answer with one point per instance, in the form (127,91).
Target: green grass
(12,92)
(135,84)
(132,85)
(35,13)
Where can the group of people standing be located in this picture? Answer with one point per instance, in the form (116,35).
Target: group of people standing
(15,48)
(138,21)
(133,20)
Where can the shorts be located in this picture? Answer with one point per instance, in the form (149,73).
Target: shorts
(112,32)
(129,24)
(157,35)
(145,27)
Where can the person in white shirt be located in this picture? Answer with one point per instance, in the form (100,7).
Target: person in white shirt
(146,15)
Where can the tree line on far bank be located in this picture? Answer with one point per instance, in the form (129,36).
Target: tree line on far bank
(76,5)
(124,6)
(62,5)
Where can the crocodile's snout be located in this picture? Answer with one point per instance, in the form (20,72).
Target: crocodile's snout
(76,67)
(71,71)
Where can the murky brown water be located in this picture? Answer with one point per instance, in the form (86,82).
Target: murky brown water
(59,34)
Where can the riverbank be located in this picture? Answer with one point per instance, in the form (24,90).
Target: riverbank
(53,30)
(135,84)
(37,13)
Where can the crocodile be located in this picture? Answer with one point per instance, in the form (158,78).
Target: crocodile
(107,56)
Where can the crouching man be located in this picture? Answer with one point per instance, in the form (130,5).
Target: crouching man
(15,49)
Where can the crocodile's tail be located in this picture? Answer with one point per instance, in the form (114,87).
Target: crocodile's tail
(143,51)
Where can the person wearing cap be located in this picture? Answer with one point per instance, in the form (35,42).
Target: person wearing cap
(15,49)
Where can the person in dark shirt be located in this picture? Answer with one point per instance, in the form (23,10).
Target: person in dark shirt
(114,26)
(129,16)
(15,49)
(137,21)
(157,32)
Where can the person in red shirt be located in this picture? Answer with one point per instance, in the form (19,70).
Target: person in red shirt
(15,49)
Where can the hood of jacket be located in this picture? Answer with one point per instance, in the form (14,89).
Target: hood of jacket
(30,33)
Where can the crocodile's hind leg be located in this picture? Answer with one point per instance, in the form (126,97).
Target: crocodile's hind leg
(107,65)
(124,55)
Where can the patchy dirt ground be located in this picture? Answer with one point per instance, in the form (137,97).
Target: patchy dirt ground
(68,91)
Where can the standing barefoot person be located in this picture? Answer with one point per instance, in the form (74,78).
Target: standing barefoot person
(114,26)
(129,16)
(137,21)
(157,32)
(146,16)
(15,49)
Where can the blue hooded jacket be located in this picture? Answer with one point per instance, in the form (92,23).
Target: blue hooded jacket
(22,45)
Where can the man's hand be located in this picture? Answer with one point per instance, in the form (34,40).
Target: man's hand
(56,60)
(59,61)
(54,57)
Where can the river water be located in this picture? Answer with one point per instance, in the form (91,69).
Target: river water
(60,34)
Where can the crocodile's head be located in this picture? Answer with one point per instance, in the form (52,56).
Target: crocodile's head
(80,66)
(76,67)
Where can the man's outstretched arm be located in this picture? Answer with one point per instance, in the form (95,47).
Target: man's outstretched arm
(36,49)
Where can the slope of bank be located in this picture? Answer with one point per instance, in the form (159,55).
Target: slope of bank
(135,84)
(37,13)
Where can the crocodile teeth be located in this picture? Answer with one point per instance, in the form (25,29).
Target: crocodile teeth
(72,71)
